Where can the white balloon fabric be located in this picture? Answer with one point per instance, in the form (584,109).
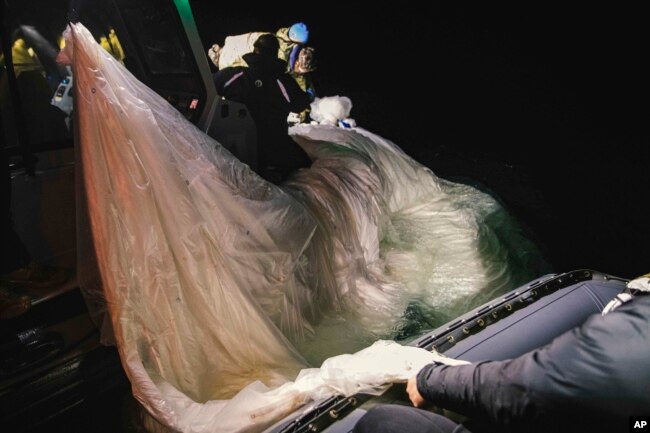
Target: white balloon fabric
(211,277)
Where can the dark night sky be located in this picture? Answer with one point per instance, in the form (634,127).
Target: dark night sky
(545,107)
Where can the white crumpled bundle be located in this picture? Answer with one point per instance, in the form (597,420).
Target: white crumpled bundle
(374,367)
(332,110)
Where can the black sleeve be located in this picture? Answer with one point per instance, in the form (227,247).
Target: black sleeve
(298,100)
(231,83)
(598,368)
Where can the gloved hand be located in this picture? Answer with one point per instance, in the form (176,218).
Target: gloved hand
(213,53)
(293,119)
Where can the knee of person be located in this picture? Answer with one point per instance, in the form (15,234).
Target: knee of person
(372,419)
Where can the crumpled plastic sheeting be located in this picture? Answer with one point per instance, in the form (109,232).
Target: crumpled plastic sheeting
(370,371)
(206,269)
(397,236)
(177,224)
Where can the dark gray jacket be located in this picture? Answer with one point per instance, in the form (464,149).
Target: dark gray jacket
(592,377)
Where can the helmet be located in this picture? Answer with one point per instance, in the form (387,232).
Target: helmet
(299,33)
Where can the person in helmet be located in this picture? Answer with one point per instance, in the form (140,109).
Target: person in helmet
(299,57)
(293,50)
(270,94)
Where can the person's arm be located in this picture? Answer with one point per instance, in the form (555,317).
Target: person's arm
(600,367)
(230,83)
(494,390)
(298,100)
